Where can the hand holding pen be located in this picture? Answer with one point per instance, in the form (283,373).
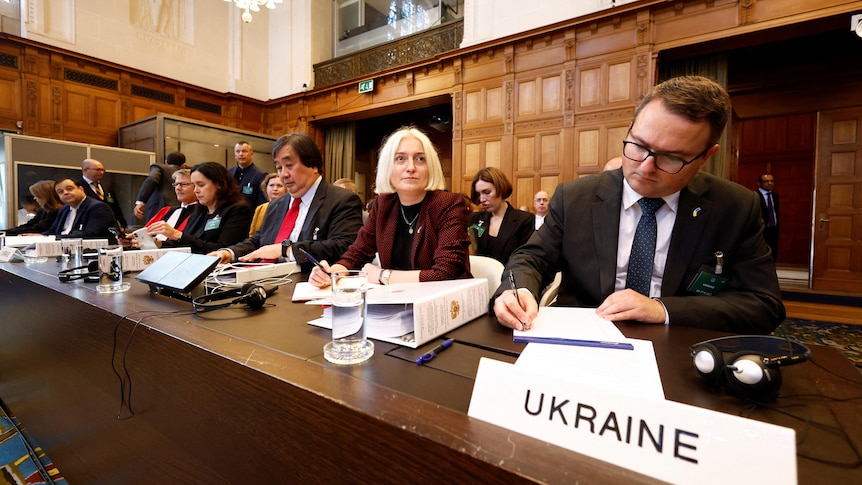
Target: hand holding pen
(516,309)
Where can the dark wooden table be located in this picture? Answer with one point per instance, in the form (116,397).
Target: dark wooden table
(240,396)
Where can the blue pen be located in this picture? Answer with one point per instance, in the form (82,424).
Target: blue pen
(429,356)
(311,258)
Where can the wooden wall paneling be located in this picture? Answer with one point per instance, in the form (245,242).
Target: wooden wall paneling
(10,98)
(602,37)
(436,78)
(494,63)
(681,23)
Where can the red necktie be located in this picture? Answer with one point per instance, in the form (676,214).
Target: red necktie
(286,225)
(288,222)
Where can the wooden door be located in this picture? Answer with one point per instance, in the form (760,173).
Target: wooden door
(838,202)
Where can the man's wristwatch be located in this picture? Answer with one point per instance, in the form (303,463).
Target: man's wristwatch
(285,247)
(384,276)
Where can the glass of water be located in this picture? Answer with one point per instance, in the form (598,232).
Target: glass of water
(349,311)
(111,270)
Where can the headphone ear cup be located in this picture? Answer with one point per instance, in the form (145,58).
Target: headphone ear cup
(748,377)
(253,295)
(709,362)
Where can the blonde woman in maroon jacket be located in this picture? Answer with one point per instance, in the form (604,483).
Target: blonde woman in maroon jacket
(417,228)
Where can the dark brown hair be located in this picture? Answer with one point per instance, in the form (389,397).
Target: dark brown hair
(495,177)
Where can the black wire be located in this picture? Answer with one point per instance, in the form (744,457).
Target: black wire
(126,378)
(807,421)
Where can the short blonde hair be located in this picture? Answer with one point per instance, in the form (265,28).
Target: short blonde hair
(436,180)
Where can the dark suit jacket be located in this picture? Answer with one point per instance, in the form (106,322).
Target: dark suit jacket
(580,236)
(41,223)
(156,191)
(92,221)
(110,199)
(251,179)
(234,220)
(515,230)
(333,220)
(440,246)
(763,210)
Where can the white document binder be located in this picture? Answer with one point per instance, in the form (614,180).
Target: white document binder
(437,307)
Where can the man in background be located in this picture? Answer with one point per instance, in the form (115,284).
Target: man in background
(349,184)
(156,191)
(247,175)
(540,203)
(93,172)
(769,207)
(81,216)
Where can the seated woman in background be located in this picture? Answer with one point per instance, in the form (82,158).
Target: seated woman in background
(222,217)
(499,228)
(273,187)
(49,207)
(417,228)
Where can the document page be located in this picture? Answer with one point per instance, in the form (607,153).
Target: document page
(573,326)
(633,373)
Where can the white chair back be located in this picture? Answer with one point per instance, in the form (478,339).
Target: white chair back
(550,293)
(488,268)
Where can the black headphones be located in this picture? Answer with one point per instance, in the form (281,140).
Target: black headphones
(751,371)
(90,273)
(254,296)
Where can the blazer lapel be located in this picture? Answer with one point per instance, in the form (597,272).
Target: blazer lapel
(308,233)
(606,217)
(692,216)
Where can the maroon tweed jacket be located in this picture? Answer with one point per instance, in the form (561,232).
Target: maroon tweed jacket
(440,245)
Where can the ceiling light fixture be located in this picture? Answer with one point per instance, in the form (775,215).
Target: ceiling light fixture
(249,6)
(856,24)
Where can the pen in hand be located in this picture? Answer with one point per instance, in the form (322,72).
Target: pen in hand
(311,258)
(429,356)
(517,298)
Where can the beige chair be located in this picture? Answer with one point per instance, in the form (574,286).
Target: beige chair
(550,293)
(488,268)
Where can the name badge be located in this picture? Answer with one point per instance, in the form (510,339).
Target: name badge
(707,283)
(213,223)
(247,190)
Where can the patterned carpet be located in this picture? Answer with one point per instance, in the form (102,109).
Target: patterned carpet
(846,338)
(17,451)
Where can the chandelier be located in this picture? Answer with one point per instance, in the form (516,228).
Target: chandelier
(252,6)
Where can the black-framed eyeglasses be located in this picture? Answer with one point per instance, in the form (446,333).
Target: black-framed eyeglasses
(184,185)
(664,162)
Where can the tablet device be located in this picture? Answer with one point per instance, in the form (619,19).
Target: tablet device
(179,272)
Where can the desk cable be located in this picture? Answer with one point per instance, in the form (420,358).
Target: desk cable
(809,423)
(125,377)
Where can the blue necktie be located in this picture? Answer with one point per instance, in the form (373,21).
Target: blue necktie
(643,247)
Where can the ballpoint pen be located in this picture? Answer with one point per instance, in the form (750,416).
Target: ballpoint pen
(517,298)
(311,258)
(429,356)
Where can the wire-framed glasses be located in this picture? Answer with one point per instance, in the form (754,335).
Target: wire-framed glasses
(664,162)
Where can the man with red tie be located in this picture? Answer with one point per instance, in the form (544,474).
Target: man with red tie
(315,216)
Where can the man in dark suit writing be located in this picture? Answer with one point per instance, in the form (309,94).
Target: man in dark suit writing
(694,226)
(81,216)
(318,217)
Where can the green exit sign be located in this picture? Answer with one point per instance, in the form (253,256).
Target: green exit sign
(366,86)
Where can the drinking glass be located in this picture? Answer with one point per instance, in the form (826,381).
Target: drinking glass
(111,270)
(349,311)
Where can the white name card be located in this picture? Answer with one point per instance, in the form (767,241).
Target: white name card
(666,440)
(9,254)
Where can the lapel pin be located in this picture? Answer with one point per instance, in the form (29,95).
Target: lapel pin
(694,212)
